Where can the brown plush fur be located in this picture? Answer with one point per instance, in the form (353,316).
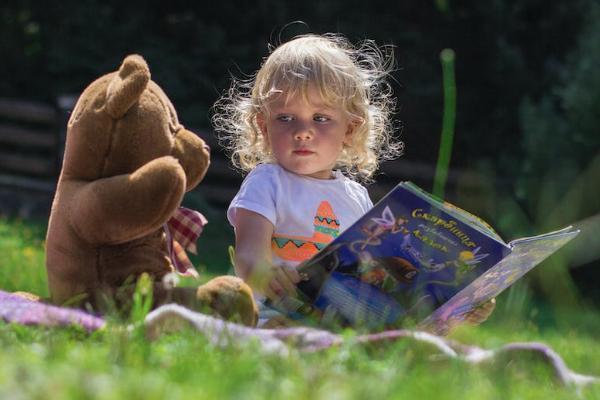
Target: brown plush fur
(128,162)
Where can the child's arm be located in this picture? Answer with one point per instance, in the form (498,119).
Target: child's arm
(253,262)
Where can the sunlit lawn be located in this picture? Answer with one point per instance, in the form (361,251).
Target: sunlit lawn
(120,363)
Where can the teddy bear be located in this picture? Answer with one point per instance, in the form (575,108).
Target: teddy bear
(127,164)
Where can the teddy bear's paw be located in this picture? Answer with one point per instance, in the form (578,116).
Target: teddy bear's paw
(231,298)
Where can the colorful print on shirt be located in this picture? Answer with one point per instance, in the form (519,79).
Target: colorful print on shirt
(300,248)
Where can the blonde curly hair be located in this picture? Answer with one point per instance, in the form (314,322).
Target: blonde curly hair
(344,75)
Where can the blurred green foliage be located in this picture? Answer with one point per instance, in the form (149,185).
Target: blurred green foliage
(561,129)
(560,168)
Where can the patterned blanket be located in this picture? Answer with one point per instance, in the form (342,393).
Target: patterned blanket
(16,309)
(172,318)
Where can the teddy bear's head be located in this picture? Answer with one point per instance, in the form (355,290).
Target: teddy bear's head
(122,121)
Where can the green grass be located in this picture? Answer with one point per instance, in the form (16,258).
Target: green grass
(22,256)
(39,363)
(116,363)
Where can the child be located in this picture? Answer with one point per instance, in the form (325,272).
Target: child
(316,104)
(313,121)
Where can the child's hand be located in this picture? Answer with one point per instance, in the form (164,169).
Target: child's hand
(480,313)
(282,282)
(473,317)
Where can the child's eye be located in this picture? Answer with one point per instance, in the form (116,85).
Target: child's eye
(320,118)
(284,118)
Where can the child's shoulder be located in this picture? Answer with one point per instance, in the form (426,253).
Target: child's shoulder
(339,175)
(263,174)
(266,169)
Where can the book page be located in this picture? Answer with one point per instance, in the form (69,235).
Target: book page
(526,254)
(404,258)
(455,211)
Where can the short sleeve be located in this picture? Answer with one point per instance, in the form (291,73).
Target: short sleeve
(368,203)
(360,194)
(256,194)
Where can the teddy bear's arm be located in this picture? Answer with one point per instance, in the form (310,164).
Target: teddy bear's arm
(126,207)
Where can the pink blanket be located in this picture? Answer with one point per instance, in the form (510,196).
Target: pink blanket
(170,318)
(18,310)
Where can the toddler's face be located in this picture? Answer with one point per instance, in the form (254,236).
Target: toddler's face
(305,136)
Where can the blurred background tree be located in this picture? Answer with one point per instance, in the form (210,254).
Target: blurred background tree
(559,174)
(526,72)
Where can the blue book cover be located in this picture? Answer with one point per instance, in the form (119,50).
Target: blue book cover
(413,255)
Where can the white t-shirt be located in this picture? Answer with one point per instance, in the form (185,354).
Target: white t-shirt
(306,213)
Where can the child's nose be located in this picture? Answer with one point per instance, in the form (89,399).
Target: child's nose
(303,132)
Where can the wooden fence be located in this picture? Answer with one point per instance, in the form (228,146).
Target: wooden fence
(32,139)
(31,144)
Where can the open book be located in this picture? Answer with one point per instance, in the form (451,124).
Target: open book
(414,256)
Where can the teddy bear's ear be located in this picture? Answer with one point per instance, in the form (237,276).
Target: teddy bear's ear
(127,85)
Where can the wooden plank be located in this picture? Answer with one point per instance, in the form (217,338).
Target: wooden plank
(21,182)
(28,164)
(17,135)
(28,111)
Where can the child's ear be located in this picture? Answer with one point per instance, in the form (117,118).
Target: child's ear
(352,126)
(261,121)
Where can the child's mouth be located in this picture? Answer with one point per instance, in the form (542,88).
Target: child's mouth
(303,152)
